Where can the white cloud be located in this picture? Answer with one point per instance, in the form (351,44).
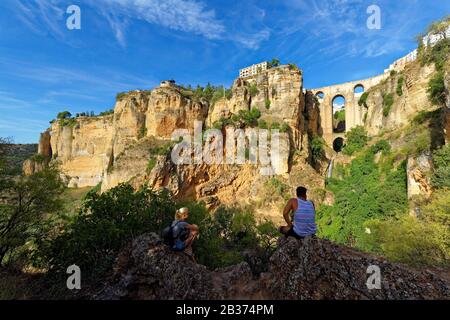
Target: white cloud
(179,15)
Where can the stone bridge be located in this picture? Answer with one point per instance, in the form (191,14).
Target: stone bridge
(354,114)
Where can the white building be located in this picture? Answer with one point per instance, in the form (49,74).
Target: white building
(252,70)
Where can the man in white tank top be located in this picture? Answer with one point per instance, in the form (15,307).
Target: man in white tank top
(299,214)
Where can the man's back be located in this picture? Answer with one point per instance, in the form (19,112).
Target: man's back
(305,218)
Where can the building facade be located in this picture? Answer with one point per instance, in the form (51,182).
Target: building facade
(253,69)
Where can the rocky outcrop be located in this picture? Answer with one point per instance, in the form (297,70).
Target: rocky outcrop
(418,170)
(299,269)
(414,99)
(149,270)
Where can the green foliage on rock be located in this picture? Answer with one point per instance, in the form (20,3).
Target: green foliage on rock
(363,99)
(253,90)
(64,115)
(441,161)
(121,95)
(399,89)
(365,191)
(436,89)
(356,139)
(317,147)
(388,101)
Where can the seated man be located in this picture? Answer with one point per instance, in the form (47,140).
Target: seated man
(183,233)
(303,224)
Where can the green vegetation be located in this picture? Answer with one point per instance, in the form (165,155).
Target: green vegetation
(284,127)
(64,115)
(339,115)
(248,118)
(363,99)
(441,161)
(253,90)
(293,66)
(388,101)
(365,191)
(400,86)
(267,104)
(274,63)
(356,139)
(262,124)
(142,132)
(436,89)
(106,113)
(121,95)
(151,164)
(25,217)
(108,221)
(278,188)
(317,147)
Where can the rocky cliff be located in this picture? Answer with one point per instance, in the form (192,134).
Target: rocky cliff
(299,269)
(120,147)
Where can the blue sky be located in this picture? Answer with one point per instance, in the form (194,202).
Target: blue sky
(133,44)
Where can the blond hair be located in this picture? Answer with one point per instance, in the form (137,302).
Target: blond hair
(181,213)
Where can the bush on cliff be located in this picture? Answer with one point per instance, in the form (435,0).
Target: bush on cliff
(365,191)
(441,161)
(356,139)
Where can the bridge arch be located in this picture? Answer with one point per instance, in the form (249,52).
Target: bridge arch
(338,144)
(320,95)
(338,117)
(358,89)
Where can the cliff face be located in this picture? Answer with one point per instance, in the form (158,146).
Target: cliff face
(116,148)
(307,269)
(414,98)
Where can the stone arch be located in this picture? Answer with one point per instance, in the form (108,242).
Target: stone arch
(320,95)
(359,89)
(338,144)
(338,104)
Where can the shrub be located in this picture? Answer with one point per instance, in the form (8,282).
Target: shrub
(284,127)
(400,86)
(121,95)
(356,140)
(363,99)
(253,90)
(262,124)
(436,89)
(64,115)
(317,147)
(278,188)
(142,132)
(339,115)
(388,101)
(381,145)
(151,164)
(441,161)
(408,240)
(267,104)
(275,126)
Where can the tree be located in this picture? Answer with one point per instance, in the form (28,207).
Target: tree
(64,115)
(274,63)
(23,216)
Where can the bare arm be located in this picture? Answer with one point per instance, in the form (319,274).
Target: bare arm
(286,213)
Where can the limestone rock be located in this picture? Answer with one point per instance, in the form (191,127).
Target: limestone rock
(299,269)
